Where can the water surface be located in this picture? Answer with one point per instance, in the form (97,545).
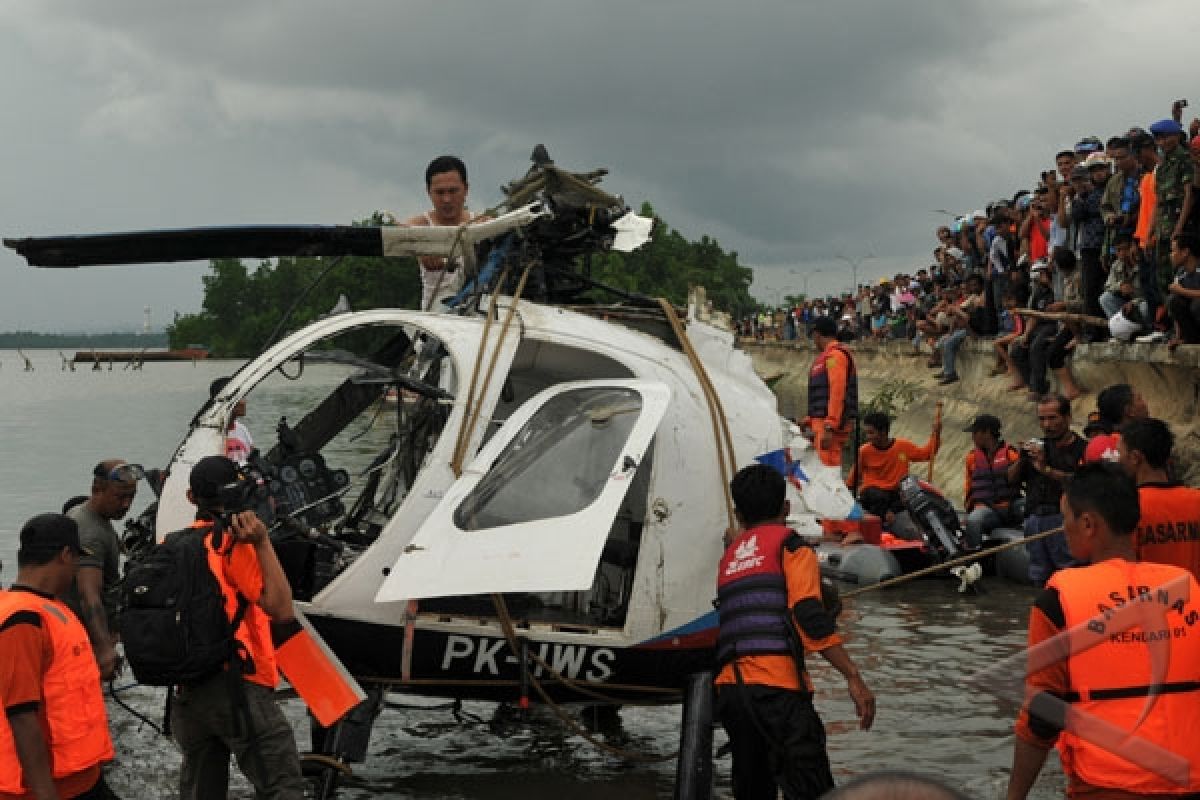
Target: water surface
(916,644)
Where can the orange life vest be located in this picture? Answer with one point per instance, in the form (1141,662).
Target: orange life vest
(73,706)
(1144,679)
(1168,531)
(819,389)
(752,596)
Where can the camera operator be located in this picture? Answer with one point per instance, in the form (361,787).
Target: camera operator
(1045,466)
(229,713)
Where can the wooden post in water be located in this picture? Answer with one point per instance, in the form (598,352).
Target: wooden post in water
(694,770)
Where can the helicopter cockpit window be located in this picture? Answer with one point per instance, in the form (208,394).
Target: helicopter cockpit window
(355,416)
(558,463)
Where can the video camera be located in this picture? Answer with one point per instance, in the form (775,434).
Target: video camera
(250,492)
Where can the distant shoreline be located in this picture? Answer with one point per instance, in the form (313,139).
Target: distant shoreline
(83,341)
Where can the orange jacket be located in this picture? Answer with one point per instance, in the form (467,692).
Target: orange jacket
(1149,199)
(833,388)
(1127,672)
(72,706)
(237,570)
(884,469)
(1168,531)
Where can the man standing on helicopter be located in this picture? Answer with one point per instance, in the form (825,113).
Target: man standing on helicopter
(446,184)
(771,614)
(832,393)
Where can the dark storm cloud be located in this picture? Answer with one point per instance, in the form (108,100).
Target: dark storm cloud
(791,132)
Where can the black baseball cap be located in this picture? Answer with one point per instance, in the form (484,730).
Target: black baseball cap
(210,474)
(49,533)
(824,326)
(984,422)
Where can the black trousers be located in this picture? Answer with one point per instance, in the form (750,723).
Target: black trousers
(1185,311)
(1031,360)
(1092,280)
(880,501)
(794,758)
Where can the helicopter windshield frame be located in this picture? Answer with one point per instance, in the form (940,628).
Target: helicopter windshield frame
(479,539)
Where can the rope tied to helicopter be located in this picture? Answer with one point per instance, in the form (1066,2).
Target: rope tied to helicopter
(472,410)
(954,562)
(726,460)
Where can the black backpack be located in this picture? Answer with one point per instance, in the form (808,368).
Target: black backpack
(172,618)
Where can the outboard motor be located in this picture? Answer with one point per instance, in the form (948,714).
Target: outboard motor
(934,517)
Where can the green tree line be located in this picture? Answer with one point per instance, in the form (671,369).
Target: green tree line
(243,304)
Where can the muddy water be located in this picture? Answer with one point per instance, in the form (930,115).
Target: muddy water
(916,644)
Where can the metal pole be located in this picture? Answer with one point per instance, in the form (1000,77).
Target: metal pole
(694,771)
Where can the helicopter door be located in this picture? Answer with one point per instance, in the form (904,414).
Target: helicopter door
(532,512)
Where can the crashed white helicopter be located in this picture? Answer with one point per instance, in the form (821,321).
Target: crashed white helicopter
(543,509)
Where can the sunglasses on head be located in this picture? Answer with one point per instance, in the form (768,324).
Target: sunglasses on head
(122,473)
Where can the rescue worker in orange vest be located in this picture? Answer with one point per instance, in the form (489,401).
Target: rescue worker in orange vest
(54,730)
(1113,658)
(1168,531)
(237,714)
(883,462)
(771,613)
(991,498)
(832,393)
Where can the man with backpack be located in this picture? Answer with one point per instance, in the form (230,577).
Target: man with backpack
(234,710)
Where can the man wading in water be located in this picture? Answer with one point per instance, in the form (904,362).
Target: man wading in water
(771,613)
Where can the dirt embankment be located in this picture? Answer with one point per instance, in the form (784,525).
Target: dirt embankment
(1169,382)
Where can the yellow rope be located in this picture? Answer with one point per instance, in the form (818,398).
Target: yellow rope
(726,459)
(472,405)
(469,422)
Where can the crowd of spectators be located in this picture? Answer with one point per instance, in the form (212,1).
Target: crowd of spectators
(1105,244)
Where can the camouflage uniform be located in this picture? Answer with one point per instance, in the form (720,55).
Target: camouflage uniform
(1172,177)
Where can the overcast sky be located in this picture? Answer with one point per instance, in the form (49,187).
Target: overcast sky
(792,132)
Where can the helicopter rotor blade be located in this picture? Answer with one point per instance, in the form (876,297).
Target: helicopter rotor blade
(198,244)
(264,241)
